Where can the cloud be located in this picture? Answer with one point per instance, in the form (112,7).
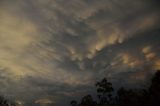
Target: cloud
(44,102)
(149,54)
(19,103)
(49,50)
(157,64)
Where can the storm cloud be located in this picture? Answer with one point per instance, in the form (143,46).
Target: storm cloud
(51,50)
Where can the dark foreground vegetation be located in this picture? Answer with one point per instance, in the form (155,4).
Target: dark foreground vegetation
(5,102)
(124,97)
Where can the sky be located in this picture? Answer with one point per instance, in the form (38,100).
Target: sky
(53,51)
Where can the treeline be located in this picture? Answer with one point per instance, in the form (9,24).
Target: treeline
(124,97)
(5,102)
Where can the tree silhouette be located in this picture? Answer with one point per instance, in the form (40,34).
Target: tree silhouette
(74,103)
(130,97)
(88,101)
(154,90)
(5,102)
(124,97)
(104,90)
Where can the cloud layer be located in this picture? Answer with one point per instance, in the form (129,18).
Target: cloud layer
(51,50)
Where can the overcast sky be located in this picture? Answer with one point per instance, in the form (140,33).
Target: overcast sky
(53,51)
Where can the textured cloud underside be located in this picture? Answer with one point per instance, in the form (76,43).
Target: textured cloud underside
(54,48)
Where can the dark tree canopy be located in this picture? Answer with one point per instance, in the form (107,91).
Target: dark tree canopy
(124,97)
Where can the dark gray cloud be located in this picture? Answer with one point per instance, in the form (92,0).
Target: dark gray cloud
(51,50)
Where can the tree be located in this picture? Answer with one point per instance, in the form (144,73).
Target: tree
(74,103)
(154,89)
(104,90)
(88,101)
(5,102)
(124,97)
(130,97)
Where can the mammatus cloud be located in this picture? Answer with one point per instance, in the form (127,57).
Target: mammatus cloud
(52,49)
(150,55)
